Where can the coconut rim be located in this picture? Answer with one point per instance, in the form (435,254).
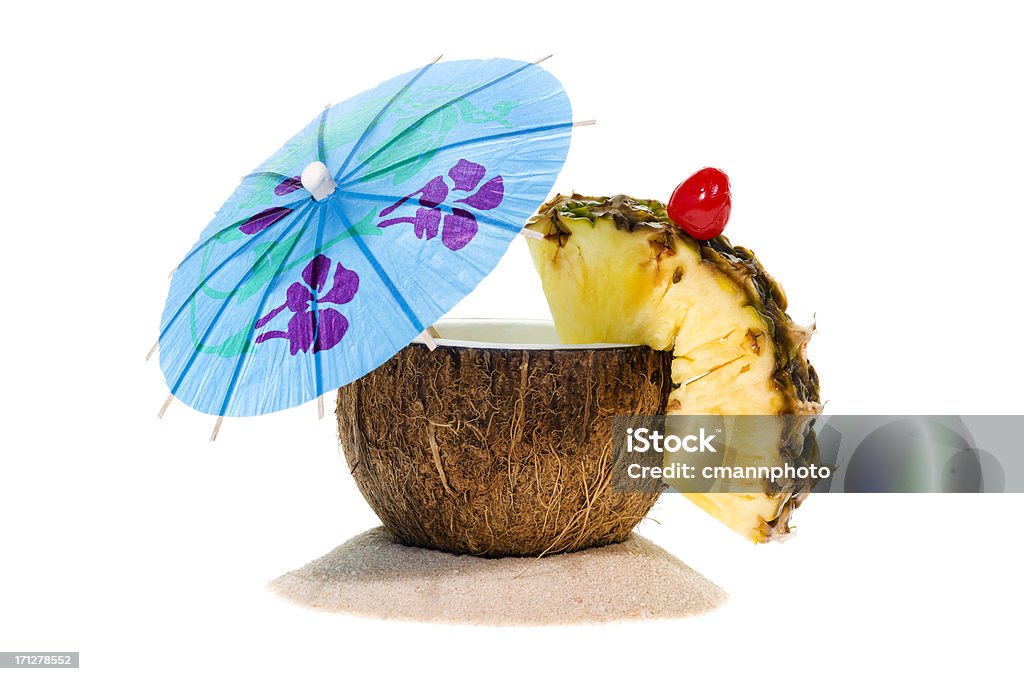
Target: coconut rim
(475,332)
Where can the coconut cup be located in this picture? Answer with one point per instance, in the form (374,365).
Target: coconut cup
(499,442)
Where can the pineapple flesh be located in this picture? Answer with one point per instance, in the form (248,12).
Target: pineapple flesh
(618,270)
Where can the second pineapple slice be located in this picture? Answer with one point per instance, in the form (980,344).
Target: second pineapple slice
(617,269)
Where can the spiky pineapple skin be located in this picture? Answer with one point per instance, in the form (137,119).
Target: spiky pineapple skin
(617,269)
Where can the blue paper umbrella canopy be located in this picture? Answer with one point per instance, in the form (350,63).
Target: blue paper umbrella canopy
(360,232)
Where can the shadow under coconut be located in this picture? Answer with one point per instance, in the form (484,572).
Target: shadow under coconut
(375,576)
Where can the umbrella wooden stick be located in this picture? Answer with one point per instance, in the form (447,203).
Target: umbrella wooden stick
(163,409)
(216,429)
(428,336)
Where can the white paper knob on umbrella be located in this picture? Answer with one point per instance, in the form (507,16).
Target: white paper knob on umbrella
(318,181)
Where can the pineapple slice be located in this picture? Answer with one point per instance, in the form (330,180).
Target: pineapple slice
(618,270)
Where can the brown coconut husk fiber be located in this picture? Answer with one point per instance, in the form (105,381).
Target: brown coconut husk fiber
(374,575)
(500,452)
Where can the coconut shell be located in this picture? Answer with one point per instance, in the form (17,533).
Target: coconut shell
(500,452)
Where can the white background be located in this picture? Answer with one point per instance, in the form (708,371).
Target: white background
(875,154)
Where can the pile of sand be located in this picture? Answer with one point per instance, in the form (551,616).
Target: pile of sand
(375,576)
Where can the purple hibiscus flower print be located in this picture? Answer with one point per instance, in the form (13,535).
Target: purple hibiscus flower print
(262,220)
(317,327)
(288,185)
(458,227)
(271,216)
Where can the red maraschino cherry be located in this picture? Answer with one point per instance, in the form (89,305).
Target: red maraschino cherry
(701,205)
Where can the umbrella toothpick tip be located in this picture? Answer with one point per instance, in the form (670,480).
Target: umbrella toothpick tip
(167,403)
(216,429)
(428,339)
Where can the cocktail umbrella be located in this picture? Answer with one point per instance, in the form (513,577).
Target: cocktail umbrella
(365,228)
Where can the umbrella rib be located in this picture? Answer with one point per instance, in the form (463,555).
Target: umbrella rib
(427,115)
(231,256)
(320,154)
(454,145)
(317,242)
(198,247)
(381,274)
(266,173)
(380,114)
(501,224)
(242,357)
(224,305)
